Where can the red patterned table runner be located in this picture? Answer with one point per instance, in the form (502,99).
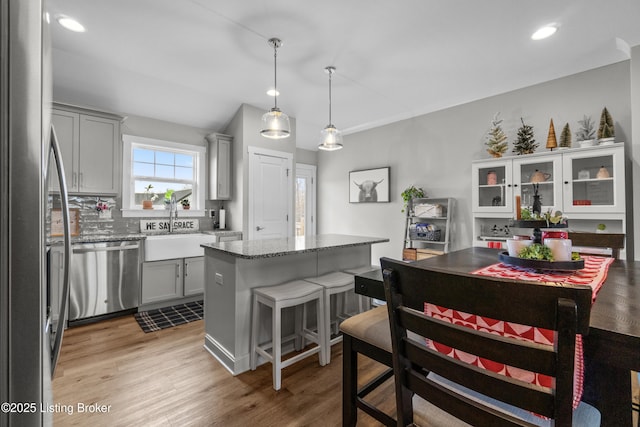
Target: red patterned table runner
(593,274)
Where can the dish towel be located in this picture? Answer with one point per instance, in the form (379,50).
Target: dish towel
(593,274)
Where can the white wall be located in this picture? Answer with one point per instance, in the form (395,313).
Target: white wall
(435,151)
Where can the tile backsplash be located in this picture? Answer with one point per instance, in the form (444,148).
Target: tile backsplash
(101,215)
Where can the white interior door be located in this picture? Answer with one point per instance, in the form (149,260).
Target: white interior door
(305,200)
(270,194)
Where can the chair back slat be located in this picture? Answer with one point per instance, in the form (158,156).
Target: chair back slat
(612,241)
(558,308)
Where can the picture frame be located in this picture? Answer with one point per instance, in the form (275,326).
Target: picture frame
(369,186)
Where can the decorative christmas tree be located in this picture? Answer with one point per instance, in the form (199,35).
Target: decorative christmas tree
(565,137)
(606,129)
(496,138)
(525,144)
(551,137)
(586,132)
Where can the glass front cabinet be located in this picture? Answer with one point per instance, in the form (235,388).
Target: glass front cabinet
(594,181)
(492,184)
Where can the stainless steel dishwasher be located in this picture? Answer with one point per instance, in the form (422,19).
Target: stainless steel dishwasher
(105,279)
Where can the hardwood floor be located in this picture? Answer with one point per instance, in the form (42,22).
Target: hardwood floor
(167,378)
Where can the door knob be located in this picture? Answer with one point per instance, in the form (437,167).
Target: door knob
(258,228)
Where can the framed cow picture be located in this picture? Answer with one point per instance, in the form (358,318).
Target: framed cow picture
(369,186)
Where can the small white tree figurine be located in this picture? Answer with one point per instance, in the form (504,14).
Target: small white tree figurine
(586,131)
(496,138)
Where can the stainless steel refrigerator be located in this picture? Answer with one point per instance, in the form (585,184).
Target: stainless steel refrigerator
(30,328)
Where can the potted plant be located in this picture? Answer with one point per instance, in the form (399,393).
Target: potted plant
(411,193)
(147,203)
(606,131)
(185,204)
(586,133)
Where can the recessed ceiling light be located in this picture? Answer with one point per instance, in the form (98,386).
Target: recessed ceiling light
(544,32)
(273,92)
(70,24)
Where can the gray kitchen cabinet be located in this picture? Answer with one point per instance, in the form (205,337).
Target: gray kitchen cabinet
(220,157)
(193,276)
(90,145)
(172,279)
(161,280)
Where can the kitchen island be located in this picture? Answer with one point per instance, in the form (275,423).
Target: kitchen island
(232,269)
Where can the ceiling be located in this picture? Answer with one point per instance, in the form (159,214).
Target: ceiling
(194,62)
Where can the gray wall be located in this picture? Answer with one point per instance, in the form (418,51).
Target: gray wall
(158,129)
(245,129)
(435,151)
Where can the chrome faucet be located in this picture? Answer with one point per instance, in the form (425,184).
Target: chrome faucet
(173,211)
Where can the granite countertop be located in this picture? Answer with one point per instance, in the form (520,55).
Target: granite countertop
(94,238)
(280,247)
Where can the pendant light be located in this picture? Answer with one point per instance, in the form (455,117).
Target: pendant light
(275,123)
(330,137)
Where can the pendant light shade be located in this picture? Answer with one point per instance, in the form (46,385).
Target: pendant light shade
(330,136)
(275,123)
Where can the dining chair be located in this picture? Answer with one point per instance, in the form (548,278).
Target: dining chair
(449,391)
(609,241)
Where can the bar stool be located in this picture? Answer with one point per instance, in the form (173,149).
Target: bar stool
(364,303)
(336,283)
(291,294)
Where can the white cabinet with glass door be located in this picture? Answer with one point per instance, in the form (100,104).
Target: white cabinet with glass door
(594,180)
(542,174)
(492,186)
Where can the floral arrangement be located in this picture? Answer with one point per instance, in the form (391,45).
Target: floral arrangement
(102,206)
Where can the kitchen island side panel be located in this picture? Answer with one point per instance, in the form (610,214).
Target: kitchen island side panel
(219,306)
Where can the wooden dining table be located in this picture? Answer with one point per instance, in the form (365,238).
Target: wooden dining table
(612,347)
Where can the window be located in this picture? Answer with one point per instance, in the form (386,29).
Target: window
(155,169)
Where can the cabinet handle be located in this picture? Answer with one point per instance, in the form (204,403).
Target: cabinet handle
(186,269)
(177,270)
(515,185)
(566,182)
(74,179)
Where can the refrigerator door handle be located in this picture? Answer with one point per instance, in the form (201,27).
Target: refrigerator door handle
(67,249)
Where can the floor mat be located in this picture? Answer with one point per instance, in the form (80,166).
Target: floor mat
(167,317)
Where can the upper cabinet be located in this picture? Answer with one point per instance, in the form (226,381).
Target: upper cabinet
(492,183)
(90,145)
(219,150)
(593,181)
(587,180)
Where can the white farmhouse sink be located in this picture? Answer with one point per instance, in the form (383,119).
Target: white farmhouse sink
(170,246)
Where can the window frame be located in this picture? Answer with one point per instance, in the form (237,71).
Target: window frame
(129,208)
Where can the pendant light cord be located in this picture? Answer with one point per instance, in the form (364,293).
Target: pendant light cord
(275,75)
(330,74)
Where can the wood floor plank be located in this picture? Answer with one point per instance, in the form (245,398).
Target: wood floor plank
(167,378)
